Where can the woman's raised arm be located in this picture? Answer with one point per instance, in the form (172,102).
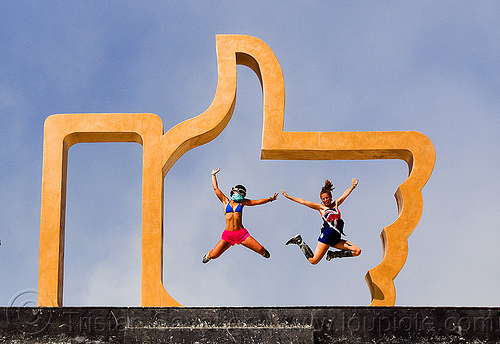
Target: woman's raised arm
(347,192)
(312,205)
(218,193)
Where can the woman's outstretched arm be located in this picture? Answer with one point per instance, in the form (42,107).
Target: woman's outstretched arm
(218,193)
(347,192)
(312,205)
(251,202)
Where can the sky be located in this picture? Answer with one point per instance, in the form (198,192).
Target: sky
(432,67)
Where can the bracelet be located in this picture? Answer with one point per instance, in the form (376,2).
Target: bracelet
(354,186)
(270,199)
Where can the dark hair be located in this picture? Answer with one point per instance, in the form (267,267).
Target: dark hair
(239,189)
(327,188)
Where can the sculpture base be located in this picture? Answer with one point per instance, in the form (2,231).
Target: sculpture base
(250,325)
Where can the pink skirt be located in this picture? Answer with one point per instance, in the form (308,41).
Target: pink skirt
(235,237)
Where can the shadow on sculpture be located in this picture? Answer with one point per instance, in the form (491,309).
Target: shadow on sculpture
(161,151)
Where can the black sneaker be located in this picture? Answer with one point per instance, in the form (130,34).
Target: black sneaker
(297,240)
(206,259)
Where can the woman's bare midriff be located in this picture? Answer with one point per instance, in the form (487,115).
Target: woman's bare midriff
(233,221)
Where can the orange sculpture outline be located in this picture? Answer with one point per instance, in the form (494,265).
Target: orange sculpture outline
(161,151)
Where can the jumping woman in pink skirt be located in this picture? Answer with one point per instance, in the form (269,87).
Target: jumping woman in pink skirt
(235,233)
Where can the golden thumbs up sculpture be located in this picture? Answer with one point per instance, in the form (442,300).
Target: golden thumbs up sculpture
(162,150)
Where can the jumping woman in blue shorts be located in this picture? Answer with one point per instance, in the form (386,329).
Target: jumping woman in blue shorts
(332,226)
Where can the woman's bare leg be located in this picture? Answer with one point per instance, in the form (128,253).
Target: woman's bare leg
(254,245)
(348,246)
(321,249)
(219,249)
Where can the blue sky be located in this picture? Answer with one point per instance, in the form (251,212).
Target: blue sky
(423,66)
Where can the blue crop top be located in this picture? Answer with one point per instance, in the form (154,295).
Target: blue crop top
(229,209)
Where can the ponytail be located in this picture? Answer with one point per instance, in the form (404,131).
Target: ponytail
(327,188)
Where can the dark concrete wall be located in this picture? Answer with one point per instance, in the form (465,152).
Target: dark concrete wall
(250,325)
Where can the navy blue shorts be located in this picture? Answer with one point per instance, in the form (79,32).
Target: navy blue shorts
(329,236)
